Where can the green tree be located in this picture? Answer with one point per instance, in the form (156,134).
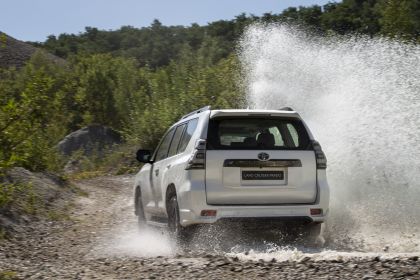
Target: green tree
(400,18)
(351,16)
(95,89)
(27,117)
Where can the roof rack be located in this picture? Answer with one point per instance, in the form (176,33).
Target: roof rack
(206,108)
(286,109)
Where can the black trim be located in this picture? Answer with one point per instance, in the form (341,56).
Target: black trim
(305,219)
(262,204)
(260,164)
(158,219)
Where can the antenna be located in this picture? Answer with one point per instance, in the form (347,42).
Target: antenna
(286,109)
(196,112)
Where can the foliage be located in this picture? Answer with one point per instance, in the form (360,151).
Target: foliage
(400,18)
(119,160)
(25,198)
(158,45)
(42,102)
(21,194)
(140,80)
(29,106)
(8,275)
(189,84)
(7,192)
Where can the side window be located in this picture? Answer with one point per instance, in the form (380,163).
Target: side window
(192,125)
(175,141)
(278,139)
(162,151)
(293,132)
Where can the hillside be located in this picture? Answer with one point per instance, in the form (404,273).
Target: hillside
(15,53)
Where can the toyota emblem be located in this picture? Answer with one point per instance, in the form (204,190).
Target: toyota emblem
(263,156)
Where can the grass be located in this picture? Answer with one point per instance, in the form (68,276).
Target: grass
(118,160)
(8,275)
(60,214)
(78,191)
(5,194)
(33,203)
(22,199)
(55,215)
(20,196)
(2,234)
(9,193)
(81,175)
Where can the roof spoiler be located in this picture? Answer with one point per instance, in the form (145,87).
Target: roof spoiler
(206,108)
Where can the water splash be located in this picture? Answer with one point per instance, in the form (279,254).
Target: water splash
(146,243)
(361,98)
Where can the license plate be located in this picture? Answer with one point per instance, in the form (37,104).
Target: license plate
(262,175)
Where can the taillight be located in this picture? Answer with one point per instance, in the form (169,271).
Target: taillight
(316,211)
(198,158)
(208,213)
(321,159)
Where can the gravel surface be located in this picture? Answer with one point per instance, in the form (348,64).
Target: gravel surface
(100,242)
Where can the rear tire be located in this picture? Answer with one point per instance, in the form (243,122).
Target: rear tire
(141,219)
(308,234)
(181,234)
(312,234)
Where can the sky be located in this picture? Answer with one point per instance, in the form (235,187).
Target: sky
(34,20)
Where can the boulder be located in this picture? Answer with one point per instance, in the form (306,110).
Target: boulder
(89,140)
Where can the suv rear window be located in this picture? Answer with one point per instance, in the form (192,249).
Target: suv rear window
(247,133)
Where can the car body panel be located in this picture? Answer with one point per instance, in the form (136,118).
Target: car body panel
(225,185)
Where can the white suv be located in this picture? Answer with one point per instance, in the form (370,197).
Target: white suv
(234,165)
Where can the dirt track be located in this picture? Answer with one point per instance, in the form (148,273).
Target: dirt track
(89,246)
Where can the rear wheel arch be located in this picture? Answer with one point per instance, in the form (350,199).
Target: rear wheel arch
(182,234)
(138,208)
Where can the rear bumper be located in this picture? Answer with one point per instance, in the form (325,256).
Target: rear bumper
(281,212)
(192,200)
(265,223)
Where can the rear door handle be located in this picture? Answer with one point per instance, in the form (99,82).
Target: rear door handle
(168,166)
(156,172)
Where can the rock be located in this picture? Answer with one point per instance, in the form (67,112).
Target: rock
(221,263)
(90,139)
(305,259)
(237,269)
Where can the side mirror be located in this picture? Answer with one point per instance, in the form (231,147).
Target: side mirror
(144,156)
